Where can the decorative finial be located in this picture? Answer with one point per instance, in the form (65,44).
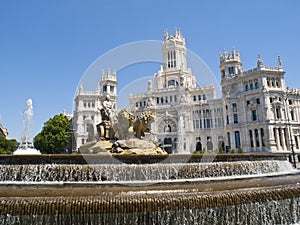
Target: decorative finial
(166,35)
(233,52)
(178,31)
(259,61)
(149,84)
(279,63)
(225,53)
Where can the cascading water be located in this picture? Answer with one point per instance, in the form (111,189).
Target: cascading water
(265,191)
(143,172)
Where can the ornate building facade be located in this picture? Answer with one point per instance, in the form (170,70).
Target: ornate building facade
(257,112)
(88,105)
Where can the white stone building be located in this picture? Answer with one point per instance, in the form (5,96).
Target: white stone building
(257,112)
(87,108)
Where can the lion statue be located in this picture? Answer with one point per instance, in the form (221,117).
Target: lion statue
(123,125)
(142,123)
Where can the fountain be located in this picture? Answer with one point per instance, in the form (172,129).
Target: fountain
(26,147)
(138,188)
(148,189)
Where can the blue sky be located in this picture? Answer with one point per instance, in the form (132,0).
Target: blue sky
(46,46)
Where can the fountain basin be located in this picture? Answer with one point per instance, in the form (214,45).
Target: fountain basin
(183,189)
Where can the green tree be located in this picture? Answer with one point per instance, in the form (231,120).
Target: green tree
(7,146)
(55,136)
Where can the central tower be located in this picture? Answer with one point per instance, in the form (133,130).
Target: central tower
(174,71)
(174,51)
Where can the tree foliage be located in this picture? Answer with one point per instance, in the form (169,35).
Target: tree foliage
(55,136)
(7,146)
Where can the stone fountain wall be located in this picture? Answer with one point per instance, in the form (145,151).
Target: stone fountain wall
(257,206)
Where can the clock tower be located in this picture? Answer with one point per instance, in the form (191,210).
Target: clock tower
(174,51)
(174,71)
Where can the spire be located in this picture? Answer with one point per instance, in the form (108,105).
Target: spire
(279,63)
(259,61)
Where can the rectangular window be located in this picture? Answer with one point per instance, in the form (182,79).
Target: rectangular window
(248,102)
(171,98)
(199,97)
(87,127)
(219,122)
(237,139)
(208,123)
(228,140)
(292,115)
(257,101)
(251,138)
(254,115)
(296,142)
(235,118)
(200,124)
(197,124)
(256,137)
(195,98)
(278,113)
(157,100)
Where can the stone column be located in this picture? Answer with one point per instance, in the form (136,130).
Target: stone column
(287,138)
(277,138)
(282,136)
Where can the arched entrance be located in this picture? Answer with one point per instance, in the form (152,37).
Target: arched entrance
(198,146)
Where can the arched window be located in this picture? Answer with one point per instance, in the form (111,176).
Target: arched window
(277,83)
(246,87)
(262,134)
(172,83)
(256,137)
(251,86)
(273,83)
(167,128)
